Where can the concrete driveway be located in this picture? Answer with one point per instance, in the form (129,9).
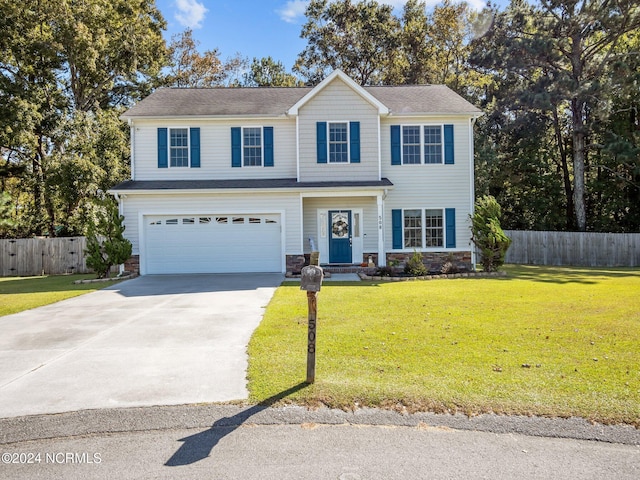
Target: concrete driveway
(153,340)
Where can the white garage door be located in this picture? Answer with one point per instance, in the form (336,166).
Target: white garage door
(212,244)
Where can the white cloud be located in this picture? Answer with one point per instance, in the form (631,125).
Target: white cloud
(293,10)
(190,13)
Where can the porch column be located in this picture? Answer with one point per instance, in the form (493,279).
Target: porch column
(382,256)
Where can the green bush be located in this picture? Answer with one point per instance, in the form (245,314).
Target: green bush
(487,234)
(415,266)
(106,246)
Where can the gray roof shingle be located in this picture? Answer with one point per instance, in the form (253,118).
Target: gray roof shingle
(275,101)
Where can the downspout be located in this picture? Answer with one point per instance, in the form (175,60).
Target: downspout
(133,149)
(120,201)
(472,186)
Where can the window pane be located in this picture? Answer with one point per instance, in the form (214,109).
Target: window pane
(252,141)
(434,228)
(338,145)
(432,145)
(179,147)
(411,144)
(413,228)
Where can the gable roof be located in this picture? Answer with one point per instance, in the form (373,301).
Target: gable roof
(339,74)
(279,101)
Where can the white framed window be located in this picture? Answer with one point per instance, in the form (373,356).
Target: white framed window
(178,147)
(252,146)
(339,142)
(422,144)
(423,228)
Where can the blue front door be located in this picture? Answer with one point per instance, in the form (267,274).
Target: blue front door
(340,236)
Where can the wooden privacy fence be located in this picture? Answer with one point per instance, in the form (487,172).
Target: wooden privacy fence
(38,256)
(574,248)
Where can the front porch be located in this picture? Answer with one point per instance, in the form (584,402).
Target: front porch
(346,229)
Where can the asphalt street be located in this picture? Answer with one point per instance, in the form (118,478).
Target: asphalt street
(246,442)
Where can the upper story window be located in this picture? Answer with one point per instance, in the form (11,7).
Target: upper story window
(252,147)
(411,144)
(179,147)
(338,143)
(422,144)
(433,145)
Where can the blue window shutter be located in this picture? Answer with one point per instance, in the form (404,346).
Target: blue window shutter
(450,223)
(268,146)
(321,140)
(396,152)
(236,147)
(396,228)
(163,151)
(354,138)
(194,134)
(448,145)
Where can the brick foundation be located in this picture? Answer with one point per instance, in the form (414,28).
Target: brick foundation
(433,260)
(133,264)
(296,262)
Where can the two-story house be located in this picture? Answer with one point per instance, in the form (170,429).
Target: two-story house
(251,179)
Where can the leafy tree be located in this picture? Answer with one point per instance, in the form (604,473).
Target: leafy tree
(487,234)
(60,61)
(359,38)
(267,72)
(189,68)
(106,245)
(561,50)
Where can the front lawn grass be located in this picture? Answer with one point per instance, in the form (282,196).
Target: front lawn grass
(23,293)
(541,341)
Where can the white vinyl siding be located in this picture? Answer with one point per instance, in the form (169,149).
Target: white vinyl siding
(439,186)
(337,102)
(215,150)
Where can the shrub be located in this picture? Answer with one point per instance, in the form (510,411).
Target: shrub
(106,246)
(487,234)
(415,266)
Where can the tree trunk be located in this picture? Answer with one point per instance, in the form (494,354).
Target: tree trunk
(578,164)
(564,165)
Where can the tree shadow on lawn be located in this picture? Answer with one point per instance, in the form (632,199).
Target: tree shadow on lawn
(199,446)
(567,274)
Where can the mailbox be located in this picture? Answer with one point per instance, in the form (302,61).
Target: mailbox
(311,279)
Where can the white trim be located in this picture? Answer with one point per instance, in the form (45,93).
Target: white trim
(422,143)
(132,136)
(423,227)
(382,109)
(188,129)
(382,255)
(297,149)
(472,187)
(348,124)
(261,127)
(379,149)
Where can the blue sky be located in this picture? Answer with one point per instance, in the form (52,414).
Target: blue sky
(258,28)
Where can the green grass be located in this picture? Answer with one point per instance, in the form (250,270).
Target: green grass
(541,341)
(23,293)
